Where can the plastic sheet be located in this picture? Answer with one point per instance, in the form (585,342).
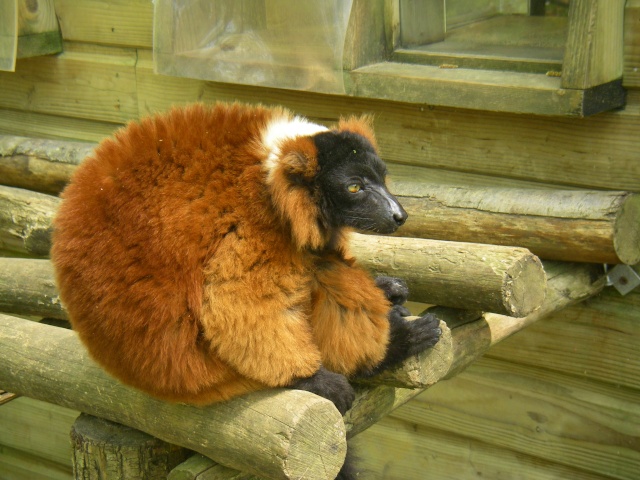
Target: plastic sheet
(275,43)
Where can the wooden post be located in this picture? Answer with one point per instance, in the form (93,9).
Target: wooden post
(504,280)
(104,449)
(594,48)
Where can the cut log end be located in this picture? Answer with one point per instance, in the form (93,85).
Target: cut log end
(626,239)
(330,444)
(524,286)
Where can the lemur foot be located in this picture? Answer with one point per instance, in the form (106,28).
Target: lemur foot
(407,337)
(395,289)
(330,385)
(415,335)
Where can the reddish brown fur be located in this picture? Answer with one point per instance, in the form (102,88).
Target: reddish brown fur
(191,277)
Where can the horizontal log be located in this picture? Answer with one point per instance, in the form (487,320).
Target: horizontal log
(274,434)
(505,280)
(481,277)
(25,221)
(581,226)
(38,164)
(27,287)
(569,283)
(572,225)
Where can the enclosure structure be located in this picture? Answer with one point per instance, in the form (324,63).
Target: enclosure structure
(473,157)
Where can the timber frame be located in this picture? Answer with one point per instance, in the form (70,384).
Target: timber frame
(392,52)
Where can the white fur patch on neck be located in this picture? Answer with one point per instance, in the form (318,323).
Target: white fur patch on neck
(283,129)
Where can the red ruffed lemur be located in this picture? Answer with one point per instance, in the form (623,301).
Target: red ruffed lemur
(202,254)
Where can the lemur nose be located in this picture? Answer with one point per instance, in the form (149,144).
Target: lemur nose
(400,217)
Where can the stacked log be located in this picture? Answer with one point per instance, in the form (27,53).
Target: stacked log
(473,252)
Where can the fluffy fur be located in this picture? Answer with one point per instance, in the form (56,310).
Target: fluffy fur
(200,257)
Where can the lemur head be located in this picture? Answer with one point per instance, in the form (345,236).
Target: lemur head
(325,180)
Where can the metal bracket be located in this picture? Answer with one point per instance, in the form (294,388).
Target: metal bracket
(623,278)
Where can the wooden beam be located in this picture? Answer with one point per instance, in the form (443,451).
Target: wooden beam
(568,283)
(27,287)
(487,90)
(580,226)
(39,164)
(25,221)
(593,52)
(275,433)
(507,280)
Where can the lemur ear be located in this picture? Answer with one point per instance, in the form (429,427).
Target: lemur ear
(299,159)
(362,125)
(291,186)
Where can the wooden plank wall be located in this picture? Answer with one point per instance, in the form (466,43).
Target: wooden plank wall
(557,401)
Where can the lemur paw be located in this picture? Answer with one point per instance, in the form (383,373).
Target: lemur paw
(395,289)
(330,385)
(409,337)
(424,332)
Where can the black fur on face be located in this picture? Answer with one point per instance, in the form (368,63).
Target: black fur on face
(351,184)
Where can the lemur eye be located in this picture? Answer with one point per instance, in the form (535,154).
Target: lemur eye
(354,188)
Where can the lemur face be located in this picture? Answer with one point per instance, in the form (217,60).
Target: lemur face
(351,180)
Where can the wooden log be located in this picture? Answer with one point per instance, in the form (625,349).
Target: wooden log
(274,434)
(25,221)
(581,226)
(27,287)
(568,283)
(498,279)
(41,165)
(104,449)
(481,277)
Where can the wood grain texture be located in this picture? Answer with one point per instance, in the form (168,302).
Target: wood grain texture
(548,415)
(395,449)
(37,428)
(593,52)
(108,22)
(28,124)
(631,48)
(595,340)
(104,449)
(85,81)
(40,165)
